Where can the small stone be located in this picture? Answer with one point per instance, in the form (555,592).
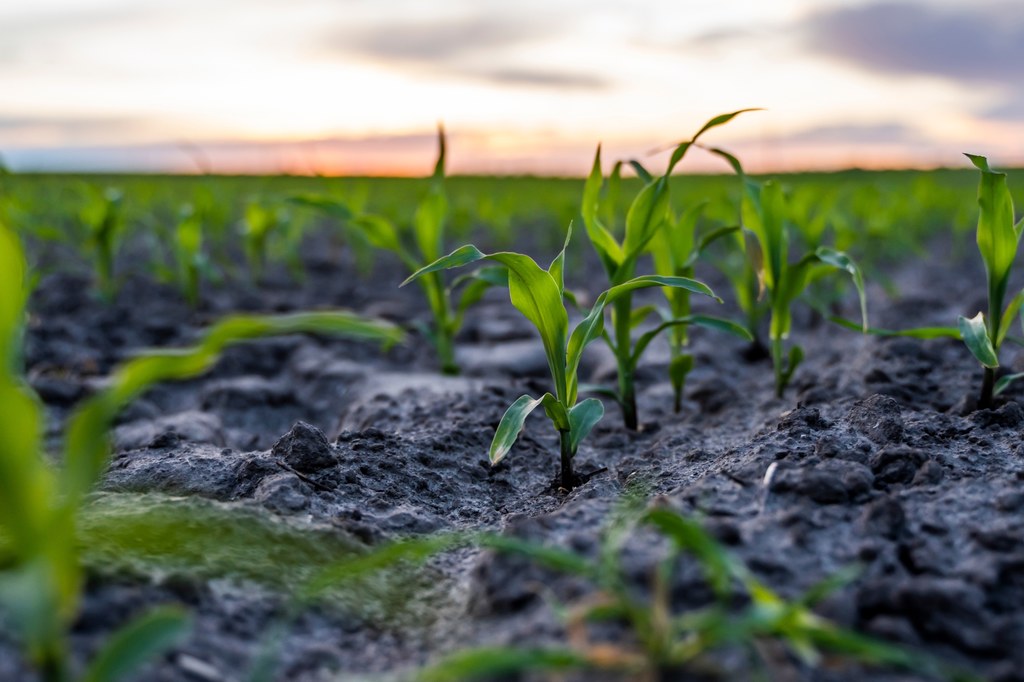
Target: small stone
(879,418)
(284,492)
(884,518)
(1009,415)
(305,448)
(895,466)
(829,482)
(1010,502)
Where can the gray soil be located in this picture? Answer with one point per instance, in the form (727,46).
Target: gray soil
(332,447)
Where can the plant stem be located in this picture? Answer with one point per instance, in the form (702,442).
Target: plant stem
(446,351)
(444,334)
(53,664)
(987,389)
(621,313)
(777,360)
(568,479)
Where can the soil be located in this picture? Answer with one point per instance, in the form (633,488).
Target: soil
(879,460)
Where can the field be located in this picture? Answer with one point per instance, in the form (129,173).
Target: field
(747,489)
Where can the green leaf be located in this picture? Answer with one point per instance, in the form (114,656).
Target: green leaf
(1005,382)
(688,536)
(1009,315)
(429,219)
(511,425)
(333,207)
(490,663)
(608,249)
(593,324)
(840,260)
(974,333)
(915,332)
(557,267)
(679,368)
(644,218)
(682,148)
(718,323)
(533,292)
(641,172)
(582,418)
(381,233)
(997,235)
(86,446)
(796,356)
(464,255)
(137,643)
(555,558)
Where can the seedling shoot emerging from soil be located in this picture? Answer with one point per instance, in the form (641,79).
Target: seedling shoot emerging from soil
(539,295)
(648,217)
(998,240)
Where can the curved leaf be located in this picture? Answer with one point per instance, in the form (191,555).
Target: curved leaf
(711,322)
(840,260)
(974,333)
(489,663)
(533,292)
(582,418)
(593,324)
(137,643)
(511,425)
(86,445)
(608,249)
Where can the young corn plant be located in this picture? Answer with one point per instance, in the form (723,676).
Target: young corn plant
(539,295)
(675,250)
(664,645)
(998,241)
(781,282)
(428,237)
(646,218)
(190,258)
(103,220)
(259,223)
(41,574)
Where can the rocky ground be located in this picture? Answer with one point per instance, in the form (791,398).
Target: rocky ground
(880,460)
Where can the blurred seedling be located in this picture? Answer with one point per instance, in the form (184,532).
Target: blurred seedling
(41,574)
(102,217)
(428,230)
(662,644)
(780,282)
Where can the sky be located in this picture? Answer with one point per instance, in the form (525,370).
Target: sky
(531,86)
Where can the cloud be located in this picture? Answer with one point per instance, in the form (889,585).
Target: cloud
(982,44)
(544,78)
(439,40)
(867,134)
(15,127)
(473,46)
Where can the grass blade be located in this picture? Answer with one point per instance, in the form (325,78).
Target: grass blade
(137,643)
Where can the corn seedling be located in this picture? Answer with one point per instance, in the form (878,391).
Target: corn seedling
(665,645)
(40,569)
(189,255)
(103,221)
(998,240)
(539,295)
(428,236)
(780,282)
(259,223)
(646,218)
